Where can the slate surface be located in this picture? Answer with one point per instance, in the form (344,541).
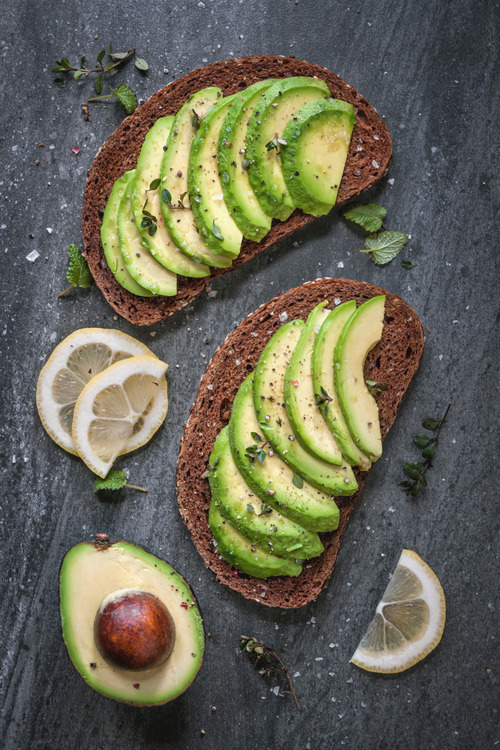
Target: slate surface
(428,68)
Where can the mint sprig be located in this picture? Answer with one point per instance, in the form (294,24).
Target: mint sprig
(78,273)
(384,246)
(115,480)
(125,96)
(367,215)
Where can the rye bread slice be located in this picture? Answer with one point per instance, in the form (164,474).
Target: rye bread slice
(394,361)
(368,161)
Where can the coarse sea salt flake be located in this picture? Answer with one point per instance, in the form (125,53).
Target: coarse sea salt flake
(337,300)
(375,164)
(283,317)
(33,256)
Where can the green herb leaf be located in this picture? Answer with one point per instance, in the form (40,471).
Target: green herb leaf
(417,470)
(166,196)
(410,470)
(152,229)
(119,56)
(155,184)
(408,264)
(430,423)
(115,480)
(298,481)
(98,84)
(421,440)
(126,97)
(78,273)
(429,451)
(141,64)
(59,82)
(78,74)
(366,215)
(250,508)
(384,246)
(101,55)
(256,437)
(261,454)
(216,232)
(195,120)
(109,67)
(273,143)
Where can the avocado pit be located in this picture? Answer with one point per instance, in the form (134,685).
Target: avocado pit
(134,630)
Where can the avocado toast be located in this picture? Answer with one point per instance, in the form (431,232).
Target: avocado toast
(393,361)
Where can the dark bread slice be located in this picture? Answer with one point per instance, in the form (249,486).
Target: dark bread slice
(368,161)
(394,361)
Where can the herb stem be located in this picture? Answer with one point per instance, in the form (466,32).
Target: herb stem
(104,96)
(61,294)
(134,487)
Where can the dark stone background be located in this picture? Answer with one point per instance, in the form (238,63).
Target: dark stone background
(428,69)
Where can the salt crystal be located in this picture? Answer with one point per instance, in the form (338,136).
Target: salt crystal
(391,181)
(283,317)
(297,674)
(152,334)
(340,264)
(275,690)
(375,164)
(337,300)
(33,256)
(49,230)
(318,658)
(210,387)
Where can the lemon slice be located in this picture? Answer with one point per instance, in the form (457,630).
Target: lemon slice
(71,365)
(111,406)
(408,622)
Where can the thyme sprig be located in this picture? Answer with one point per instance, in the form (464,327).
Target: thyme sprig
(257,450)
(266,661)
(322,398)
(275,142)
(417,470)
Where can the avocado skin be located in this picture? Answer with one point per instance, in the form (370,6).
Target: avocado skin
(269,188)
(311,116)
(272,531)
(254,224)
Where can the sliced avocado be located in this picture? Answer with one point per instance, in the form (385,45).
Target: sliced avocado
(257,521)
(314,153)
(275,424)
(213,219)
(279,104)
(111,243)
(233,164)
(245,555)
(324,383)
(90,573)
(360,334)
(160,244)
(307,421)
(138,260)
(272,479)
(178,215)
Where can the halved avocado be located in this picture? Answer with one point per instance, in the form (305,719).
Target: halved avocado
(300,402)
(90,573)
(174,178)
(160,244)
(272,479)
(111,243)
(257,521)
(324,383)
(213,219)
(279,104)
(138,260)
(233,164)
(360,334)
(274,422)
(314,153)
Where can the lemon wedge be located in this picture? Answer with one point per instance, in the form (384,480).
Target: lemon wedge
(128,398)
(74,362)
(408,622)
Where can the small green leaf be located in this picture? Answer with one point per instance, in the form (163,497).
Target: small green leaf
(59,82)
(430,423)
(216,232)
(261,456)
(82,62)
(78,74)
(371,383)
(250,508)
(64,63)
(98,84)
(78,273)
(273,143)
(59,69)
(183,195)
(118,56)
(155,184)
(152,229)
(421,440)
(423,480)
(115,480)
(126,97)
(141,64)
(429,451)
(101,55)
(384,246)
(408,264)
(298,481)
(414,490)
(109,67)
(410,470)
(407,484)
(256,437)
(366,215)
(166,196)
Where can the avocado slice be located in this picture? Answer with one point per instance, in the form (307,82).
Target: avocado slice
(274,422)
(138,260)
(111,243)
(279,104)
(314,153)
(245,555)
(233,164)
(324,383)
(360,334)
(90,572)
(174,178)
(306,419)
(257,521)
(272,479)
(160,244)
(213,219)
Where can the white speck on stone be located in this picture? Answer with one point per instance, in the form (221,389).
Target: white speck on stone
(350,680)
(334,700)
(340,264)
(275,689)
(201,4)
(295,244)
(440,357)
(337,300)
(433,149)
(13,459)
(391,181)
(391,509)
(341,716)
(212,294)
(368,528)
(52,336)
(318,658)
(33,256)
(375,164)
(363,704)
(312,621)
(297,674)
(283,317)
(152,334)
(49,230)
(454,321)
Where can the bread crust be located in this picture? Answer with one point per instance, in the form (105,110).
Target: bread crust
(394,362)
(369,158)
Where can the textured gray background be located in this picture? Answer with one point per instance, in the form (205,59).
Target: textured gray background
(428,69)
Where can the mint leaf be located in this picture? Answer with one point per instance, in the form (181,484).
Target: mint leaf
(384,246)
(115,480)
(141,64)
(78,273)
(126,96)
(367,215)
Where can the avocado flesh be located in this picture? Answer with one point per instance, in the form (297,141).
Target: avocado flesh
(257,521)
(243,554)
(324,382)
(138,260)
(278,105)
(111,243)
(205,190)
(272,480)
(174,178)
(306,418)
(274,422)
(231,153)
(161,245)
(88,575)
(313,159)
(360,334)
